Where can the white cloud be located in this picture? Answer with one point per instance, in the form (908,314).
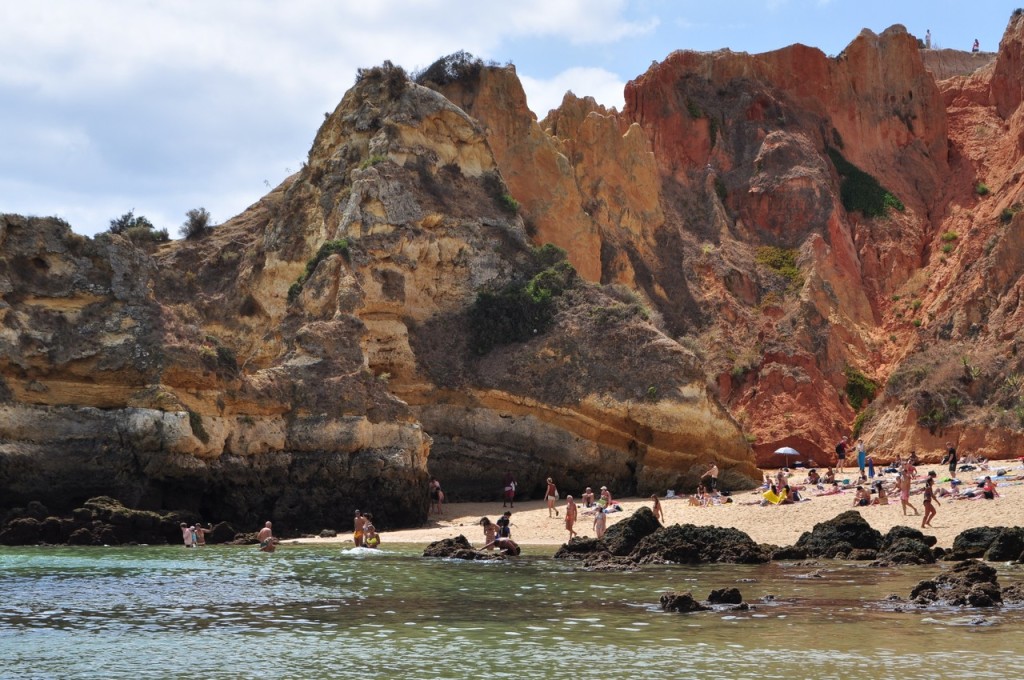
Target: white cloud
(542,95)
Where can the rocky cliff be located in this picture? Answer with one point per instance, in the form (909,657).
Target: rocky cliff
(773,248)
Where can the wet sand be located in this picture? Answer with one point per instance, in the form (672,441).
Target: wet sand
(779,525)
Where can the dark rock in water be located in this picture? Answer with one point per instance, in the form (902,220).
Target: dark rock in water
(622,537)
(582,547)
(741,607)
(966,584)
(458,548)
(691,544)
(725,596)
(1008,546)
(788,553)
(973,543)
(22,531)
(81,537)
(862,554)
(222,533)
(1013,594)
(681,602)
(841,535)
(328,533)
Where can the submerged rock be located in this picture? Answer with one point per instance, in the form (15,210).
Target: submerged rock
(459,548)
(725,596)
(967,584)
(681,602)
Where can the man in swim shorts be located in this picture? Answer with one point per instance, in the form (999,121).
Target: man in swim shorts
(266,538)
(357,529)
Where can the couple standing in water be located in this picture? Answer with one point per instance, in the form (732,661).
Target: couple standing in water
(364,534)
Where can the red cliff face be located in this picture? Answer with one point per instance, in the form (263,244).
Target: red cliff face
(722,163)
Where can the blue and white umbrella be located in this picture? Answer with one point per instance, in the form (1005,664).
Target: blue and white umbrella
(787,451)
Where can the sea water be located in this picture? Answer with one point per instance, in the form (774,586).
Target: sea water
(330,612)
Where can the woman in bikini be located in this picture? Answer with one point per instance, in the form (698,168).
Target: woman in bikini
(929,498)
(551,495)
(370,536)
(490,532)
(570,516)
(659,514)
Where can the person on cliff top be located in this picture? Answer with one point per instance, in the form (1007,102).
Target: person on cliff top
(186,535)
(710,477)
(928,39)
(929,499)
(266,538)
(436,496)
(357,529)
(570,516)
(976,46)
(371,537)
(659,514)
(841,453)
(509,484)
(551,495)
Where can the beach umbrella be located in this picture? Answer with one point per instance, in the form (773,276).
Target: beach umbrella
(787,451)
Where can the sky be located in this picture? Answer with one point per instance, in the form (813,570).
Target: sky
(161,106)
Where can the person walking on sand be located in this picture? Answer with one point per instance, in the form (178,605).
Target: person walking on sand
(659,514)
(904,483)
(357,529)
(570,516)
(551,495)
(929,498)
(509,485)
(600,522)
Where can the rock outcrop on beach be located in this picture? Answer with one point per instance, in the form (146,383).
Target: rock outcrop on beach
(995,544)
(757,251)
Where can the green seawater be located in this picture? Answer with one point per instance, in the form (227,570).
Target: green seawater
(330,612)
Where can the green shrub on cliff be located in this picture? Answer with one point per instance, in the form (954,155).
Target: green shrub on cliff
(859,388)
(782,261)
(860,192)
(338,247)
(522,309)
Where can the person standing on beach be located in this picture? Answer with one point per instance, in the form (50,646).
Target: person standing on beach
(436,496)
(841,453)
(862,456)
(659,514)
(570,516)
(710,478)
(509,484)
(551,495)
(600,522)
(951,459)
(490,532)
(357,529)
(929,498)
(904,483)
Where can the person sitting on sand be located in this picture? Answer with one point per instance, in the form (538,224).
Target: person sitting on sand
(490,531)
(789,495)
(988,488)
(862,497)
(570,516)
(830,476)
(588,498)
(813,478)
(371,537)
(882,498)
(659,514)
(606,496)
(773,496)
(699,498)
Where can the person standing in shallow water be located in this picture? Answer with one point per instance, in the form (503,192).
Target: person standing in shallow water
(186,535)
(357,529)
(266,538)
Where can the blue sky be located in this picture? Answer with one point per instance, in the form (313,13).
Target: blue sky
(166,105)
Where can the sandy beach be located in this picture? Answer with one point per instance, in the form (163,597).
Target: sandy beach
(780,525)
